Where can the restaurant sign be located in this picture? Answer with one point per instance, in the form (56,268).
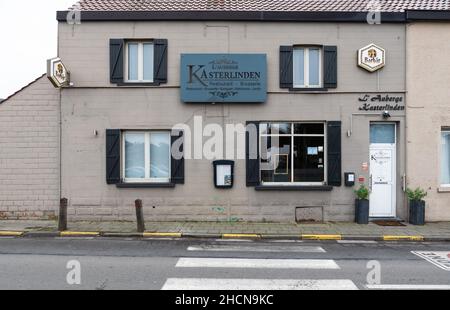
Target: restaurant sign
(381,103)
(219,78)
(57,73)
(371,57)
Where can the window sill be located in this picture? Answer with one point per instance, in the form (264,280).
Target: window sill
(145,185)
(306,89)
(137,84)
(444,189)
(304,188)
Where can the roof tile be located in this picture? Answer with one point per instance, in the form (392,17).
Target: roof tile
(262,5)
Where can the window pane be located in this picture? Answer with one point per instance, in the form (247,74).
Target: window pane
(314,59)
(308,129)
(382,133)
(279,129)
(299,66)
(263,128)
(277,165)
(445,161)
(309,159)
(134,155)
(159,155)
(148,62)
(133,61)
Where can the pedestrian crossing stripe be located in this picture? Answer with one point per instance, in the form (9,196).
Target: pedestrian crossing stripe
(257,248)
(195,262)
(257,284)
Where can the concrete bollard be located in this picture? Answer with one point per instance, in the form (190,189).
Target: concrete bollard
(62,220)
(139,216)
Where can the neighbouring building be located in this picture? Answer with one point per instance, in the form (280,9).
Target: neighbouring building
(324,93)
(29,152)
(428,115)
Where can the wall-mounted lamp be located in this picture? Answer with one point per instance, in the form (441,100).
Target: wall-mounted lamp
(386,114)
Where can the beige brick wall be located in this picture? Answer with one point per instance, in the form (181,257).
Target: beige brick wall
(428,110)
(29,153)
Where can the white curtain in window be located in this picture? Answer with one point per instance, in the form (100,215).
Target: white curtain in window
(133,61)
(299,66)
(135,155)
(159,155)
(314,56)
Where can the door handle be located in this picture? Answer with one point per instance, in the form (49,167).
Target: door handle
(370,183)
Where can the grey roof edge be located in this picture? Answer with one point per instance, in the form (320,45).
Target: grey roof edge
(263,16)
(26,86)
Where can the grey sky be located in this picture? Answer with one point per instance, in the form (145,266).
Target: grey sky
(28,36)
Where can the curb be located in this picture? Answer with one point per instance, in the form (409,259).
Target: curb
(241,236)
(178,235)
(362,238)
(321,237)
(41,234)
(11,233)
(120,235)
(79,234)
(202,235)
(403,238)
(437,239)
(161,235)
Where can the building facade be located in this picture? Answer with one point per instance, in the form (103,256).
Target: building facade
(318,100)
(428,114)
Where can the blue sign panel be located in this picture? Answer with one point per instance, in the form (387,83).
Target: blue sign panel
(223,77)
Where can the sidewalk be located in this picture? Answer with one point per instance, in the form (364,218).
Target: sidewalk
(326,231)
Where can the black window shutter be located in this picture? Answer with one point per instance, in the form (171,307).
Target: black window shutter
(112,156)
(334,153)
(252,154)
(116,51)
(286,67)
(330,66)
(177,162)
(160,61)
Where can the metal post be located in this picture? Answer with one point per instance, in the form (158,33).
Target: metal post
(62,222)
(139,216)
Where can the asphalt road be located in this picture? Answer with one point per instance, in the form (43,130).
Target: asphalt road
(199,264)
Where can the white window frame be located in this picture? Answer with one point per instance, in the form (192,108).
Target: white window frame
(306,50)
(147,159)
(293,135)
(444,130)
(140,62)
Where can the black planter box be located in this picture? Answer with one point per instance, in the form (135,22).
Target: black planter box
(362,211)
(417,212)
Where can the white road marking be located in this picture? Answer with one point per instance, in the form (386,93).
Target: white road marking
(408,287)
(257,248)
(357,241)
(257,263)
(256,284)
(285,241)
(440,259)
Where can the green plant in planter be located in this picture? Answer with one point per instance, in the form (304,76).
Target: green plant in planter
(416,195)
(362,192)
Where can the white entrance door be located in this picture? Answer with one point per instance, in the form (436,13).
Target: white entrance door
(382,181)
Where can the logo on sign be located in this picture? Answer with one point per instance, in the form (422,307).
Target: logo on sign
(57,73)
(371,57)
